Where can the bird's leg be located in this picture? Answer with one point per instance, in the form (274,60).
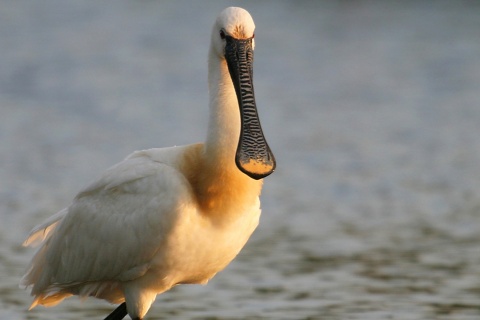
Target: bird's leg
(119,313)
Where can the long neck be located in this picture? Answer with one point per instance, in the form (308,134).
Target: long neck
(221,188)
(224,121)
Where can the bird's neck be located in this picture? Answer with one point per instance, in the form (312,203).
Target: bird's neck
(224,121)
(221,186)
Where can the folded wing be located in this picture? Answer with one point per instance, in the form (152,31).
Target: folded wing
(110,232)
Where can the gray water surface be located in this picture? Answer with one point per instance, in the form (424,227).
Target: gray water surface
(372,109)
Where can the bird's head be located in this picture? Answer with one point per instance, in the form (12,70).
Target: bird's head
(233,23)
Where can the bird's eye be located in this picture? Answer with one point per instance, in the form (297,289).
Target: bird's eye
(222,34)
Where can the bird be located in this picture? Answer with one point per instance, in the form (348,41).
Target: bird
(165,216)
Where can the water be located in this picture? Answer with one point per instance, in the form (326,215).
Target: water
(371,108)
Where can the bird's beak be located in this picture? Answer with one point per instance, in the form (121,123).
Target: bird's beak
(253,156)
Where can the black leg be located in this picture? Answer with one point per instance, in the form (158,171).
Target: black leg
(119,313)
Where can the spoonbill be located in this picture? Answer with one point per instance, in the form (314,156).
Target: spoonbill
(165,216)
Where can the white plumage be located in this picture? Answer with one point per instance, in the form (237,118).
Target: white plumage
(161,217)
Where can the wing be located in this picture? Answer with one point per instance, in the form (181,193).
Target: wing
(113,228)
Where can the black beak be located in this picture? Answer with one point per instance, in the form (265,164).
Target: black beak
(253,156)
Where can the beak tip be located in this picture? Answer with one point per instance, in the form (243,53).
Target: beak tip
(256,169)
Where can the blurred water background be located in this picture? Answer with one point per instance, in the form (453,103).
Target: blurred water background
(372,109)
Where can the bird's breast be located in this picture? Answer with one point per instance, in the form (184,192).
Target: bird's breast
(213,223)
(199,247)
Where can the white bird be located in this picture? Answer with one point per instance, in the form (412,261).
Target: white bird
(165,216)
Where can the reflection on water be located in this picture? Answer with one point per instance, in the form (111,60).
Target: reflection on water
(371,110)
